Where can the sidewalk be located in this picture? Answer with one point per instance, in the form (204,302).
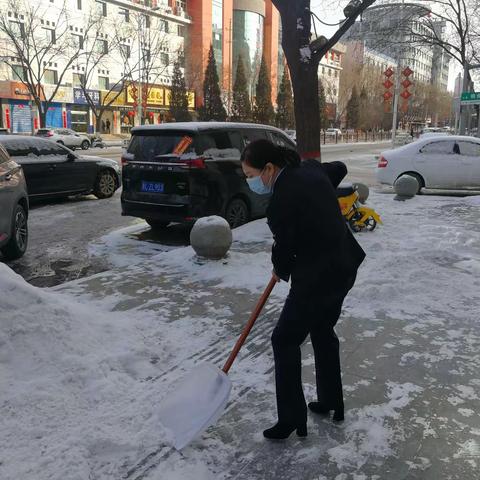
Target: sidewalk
(410,341)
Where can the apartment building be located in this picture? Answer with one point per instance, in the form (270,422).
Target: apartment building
(329,71)
(115,48)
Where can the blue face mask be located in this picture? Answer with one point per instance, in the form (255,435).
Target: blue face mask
(256,185)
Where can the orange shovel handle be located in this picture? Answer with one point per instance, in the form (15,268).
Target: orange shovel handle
(249,325)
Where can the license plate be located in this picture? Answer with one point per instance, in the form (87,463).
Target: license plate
(154,187)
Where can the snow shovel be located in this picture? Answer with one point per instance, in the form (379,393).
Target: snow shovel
(201,396)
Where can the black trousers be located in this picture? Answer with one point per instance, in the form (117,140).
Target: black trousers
(299,318)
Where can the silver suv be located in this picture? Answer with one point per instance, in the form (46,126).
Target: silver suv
(13,208)
(66,136)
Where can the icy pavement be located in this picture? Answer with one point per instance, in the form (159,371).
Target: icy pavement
(83,366)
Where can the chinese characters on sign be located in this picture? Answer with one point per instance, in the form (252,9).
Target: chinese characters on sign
(80,98)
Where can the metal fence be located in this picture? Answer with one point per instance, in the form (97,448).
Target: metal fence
(354,137)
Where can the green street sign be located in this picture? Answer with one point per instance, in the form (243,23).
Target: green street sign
(470,98)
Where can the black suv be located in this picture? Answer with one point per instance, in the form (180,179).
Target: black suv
(178,172)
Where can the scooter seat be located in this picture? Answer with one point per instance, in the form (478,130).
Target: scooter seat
(345,189)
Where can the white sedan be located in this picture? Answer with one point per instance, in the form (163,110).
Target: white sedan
(446,162)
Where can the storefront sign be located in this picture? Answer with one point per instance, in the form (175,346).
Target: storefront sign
(191,100)
(62,95)
(190,94)
(156,95)
(113,98)
(80,98)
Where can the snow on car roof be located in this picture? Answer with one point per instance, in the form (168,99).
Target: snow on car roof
(198,126)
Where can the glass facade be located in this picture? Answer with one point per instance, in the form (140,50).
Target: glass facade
(217,34)
(248,41)
(281,57)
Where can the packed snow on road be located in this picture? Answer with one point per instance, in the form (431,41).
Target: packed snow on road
(83,366)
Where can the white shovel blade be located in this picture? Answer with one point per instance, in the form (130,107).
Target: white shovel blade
(196,403)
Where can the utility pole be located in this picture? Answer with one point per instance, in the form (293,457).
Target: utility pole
(139,90)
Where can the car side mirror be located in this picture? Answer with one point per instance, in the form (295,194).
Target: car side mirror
(71,157)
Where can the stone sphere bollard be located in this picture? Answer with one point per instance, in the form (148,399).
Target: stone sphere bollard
(211,237)
(406,186)
(363,192)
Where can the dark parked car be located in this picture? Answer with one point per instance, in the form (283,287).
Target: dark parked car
(13,208)
(179,172)
(54,170)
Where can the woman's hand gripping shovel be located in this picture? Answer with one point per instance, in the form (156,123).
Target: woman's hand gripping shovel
(202,394)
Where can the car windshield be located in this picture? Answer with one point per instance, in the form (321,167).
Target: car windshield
(147,147)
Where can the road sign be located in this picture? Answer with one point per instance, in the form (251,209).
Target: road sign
(470,98)
(407,72)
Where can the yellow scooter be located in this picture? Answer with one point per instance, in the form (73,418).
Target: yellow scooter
(357,216)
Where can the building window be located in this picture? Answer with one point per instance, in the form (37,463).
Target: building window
(19,72)
(78,79)
(148,21)
(77,41)
(79,4)
(164,58)
(181,30)
(163,26)
(217,34)
(125,13)
(50,77)
(248,29)
(101,8)
(146,55)
(126,50)
(103,83)
(18,29)
(102,46)
(50,36)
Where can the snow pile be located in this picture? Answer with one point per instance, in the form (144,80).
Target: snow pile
(475,200)
(70,393)
(367,431)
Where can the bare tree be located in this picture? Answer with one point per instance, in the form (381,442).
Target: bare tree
(100,49)
(303,57)
(454,27)
(40,51)
(155,55)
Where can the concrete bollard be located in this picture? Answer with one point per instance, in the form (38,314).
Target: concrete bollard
(211,237)
(406,186)
(363,192)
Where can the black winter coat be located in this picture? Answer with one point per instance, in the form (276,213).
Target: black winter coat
(312,243)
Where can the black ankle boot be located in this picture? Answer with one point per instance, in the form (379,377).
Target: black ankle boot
(321,409)
(280,431)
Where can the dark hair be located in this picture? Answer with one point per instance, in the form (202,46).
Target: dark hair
(260,152)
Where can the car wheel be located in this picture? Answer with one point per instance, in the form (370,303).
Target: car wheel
(17,244)
(237,213)
(85,145)
(157,224)
(105,184)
